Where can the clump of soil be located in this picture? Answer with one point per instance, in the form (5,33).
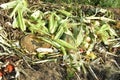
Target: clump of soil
(44,71)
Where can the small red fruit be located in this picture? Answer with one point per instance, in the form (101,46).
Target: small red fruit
(9,68)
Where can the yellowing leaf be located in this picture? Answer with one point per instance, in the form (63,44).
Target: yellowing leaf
(91,55)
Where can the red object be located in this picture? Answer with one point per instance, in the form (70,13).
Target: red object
(9,68)
(81,50)
(1,74)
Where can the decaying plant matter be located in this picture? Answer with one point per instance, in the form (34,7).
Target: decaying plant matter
(84,37)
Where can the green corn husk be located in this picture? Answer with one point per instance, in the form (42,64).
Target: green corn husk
(53,30)
(64,43)
(64,52)
(62,29)
(20,5)
(80,37)
(50,42)
(17,7)
(60,32)
(51,22)
(21,20)
(66,13)
(15,22)
(9,5)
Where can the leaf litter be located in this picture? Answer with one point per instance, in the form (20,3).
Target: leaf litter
(84,40)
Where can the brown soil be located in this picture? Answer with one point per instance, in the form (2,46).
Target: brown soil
(49,70)
(45,71)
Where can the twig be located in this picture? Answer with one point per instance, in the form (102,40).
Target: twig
(92,72)
(100,18)
(43,61)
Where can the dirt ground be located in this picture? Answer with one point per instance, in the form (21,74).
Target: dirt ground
(49,70)
(43,71)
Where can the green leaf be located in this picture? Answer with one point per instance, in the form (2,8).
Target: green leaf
(41,26)
(64,43)
(104,28)
(51,22)
(105,36)
(21,21)
(63,50)
(9,5)
(20,5)
(59,33)
(66,13)
(80,37)
(55,26)
(112,32)
(62,28)
(68,32)
(55,44)
(15,23)
(17,7)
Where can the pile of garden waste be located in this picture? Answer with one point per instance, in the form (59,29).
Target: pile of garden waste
(50,41)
